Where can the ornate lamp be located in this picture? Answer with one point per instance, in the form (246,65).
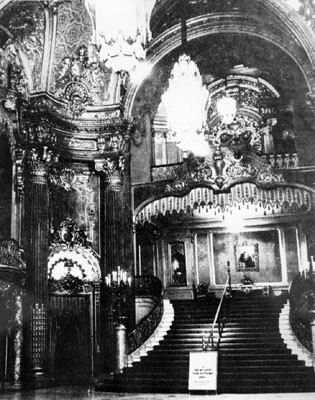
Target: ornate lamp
(118,286)
(121,31)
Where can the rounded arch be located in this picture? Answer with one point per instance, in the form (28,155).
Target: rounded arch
(299,41)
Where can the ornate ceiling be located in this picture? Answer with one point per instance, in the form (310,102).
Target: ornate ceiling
(56,69)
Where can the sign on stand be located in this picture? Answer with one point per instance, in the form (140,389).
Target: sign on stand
(203,370)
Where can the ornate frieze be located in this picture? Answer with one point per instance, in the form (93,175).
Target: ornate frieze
(246,200)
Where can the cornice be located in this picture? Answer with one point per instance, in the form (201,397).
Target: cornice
(99,131)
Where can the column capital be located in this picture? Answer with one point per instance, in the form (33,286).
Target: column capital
(113,169)
(36,164)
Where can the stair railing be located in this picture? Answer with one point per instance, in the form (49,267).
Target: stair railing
(146,286)
(218,320)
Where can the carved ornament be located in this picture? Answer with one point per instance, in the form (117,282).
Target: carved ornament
(36,164)
(72,263)
(82,79)
(113,169)
(67,234)
(69,285)
(69,179)
(221,170)
(11,255)
(10,102)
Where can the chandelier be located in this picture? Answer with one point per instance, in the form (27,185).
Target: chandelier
(184,101)
(121,31)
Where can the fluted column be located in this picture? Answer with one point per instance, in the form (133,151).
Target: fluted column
(36,228)
(112,242)
(112,213)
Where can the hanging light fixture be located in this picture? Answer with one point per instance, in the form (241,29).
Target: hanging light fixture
(184,101)
(121,31)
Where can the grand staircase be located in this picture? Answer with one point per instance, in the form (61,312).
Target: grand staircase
(252,358)
(165,369)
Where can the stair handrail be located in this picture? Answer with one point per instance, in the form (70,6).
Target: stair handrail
(226,290)
(146,286)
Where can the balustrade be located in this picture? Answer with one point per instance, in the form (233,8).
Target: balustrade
(281,161)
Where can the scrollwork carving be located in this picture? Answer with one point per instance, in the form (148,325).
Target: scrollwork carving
(221,169)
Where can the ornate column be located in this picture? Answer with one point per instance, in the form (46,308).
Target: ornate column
(36,229)
(112,213)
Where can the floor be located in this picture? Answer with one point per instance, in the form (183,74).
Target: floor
(80,393)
